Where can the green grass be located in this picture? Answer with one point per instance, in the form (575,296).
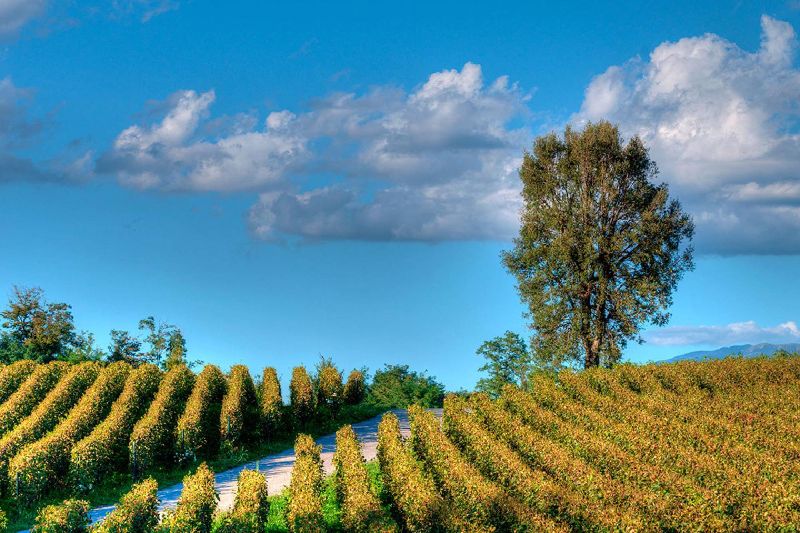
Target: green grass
(22,517)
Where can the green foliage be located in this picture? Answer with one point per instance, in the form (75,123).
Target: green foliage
(153,438)
(251,507)
(48,413)
(198,426)
(328,381)
(72,516)
(136,512)
(304,511)
(361,509)
(44,330)
(412,492)
(398,387)
(301,393)
(13,375)
(601,247)
(30,394)
(42,465)
(508,362)
(355,389)
(124,347)
(271,403)
(196,505)
(238,419)
(105,449)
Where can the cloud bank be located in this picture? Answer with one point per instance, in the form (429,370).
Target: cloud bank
(735,333)
(435,163)
(722,123)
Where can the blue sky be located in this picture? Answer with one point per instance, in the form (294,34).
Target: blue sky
(283,181)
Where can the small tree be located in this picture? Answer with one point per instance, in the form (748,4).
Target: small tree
(397,386)
(508,361)
(35,328)
(124,347)
(328,381)
(355,389)
(601,247)
(301,396)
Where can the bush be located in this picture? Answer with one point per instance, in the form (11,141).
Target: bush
(198,427)
(238,420)
(39,466)
(196,506)
(304,511)
(105,449)
(301,395)
(413,493)
(13,375)
(397,386)
(153,438)
(136,512)
(361,510)
(355,389)
(251,508)
(329,389)
(271,404)
(30,394)
(72,516)
(48,413)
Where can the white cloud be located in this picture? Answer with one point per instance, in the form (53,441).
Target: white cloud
(14,14)
(735,333)
(722,124)
(435,163)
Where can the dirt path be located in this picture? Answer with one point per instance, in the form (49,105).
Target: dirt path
(277,468)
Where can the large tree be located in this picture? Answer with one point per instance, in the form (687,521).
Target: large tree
(601,245)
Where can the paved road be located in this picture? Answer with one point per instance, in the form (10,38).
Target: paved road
(277,468)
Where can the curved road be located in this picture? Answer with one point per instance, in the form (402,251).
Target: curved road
(277,468)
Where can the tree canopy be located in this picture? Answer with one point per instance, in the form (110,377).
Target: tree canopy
(601,246)
(508,361)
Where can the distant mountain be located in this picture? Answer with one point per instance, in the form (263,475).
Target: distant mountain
(747,350)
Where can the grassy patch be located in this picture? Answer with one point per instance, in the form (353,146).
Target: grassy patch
(22,516)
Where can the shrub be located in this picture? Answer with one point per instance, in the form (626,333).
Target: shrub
(41,465)
(13,375)
(301,395)
(136,512)
(397,386)
(361,510)
(196,505)
(329,389)
(355,389)
(304,511)
(153,438)
(105,449)
(412,492)
(239,418)
(251,508)
(271,404)
(72,516)
(198,428)
(3,521)
(48,413)
(30,394)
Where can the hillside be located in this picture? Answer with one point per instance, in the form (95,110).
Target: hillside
(746,350)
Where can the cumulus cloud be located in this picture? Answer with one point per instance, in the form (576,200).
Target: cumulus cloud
(722,124)
(435,163)
(735,333)
(14,14)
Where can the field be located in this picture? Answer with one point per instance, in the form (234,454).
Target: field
(710,446)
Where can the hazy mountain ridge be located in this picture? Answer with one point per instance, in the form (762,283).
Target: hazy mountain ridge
(746,350)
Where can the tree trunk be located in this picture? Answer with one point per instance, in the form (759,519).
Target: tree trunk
(592,347)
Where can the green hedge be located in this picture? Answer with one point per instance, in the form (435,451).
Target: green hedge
(198,426)
(196,506)
(301,395)
(329,389)
(271,403)
(43,465)
(355,389)
(153,438)
(251,508)
(136,512)
(13,375)
(105,449)
(361,509)
(32,391)
(47,414)
(304,511)
(238,420)
(72,516)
